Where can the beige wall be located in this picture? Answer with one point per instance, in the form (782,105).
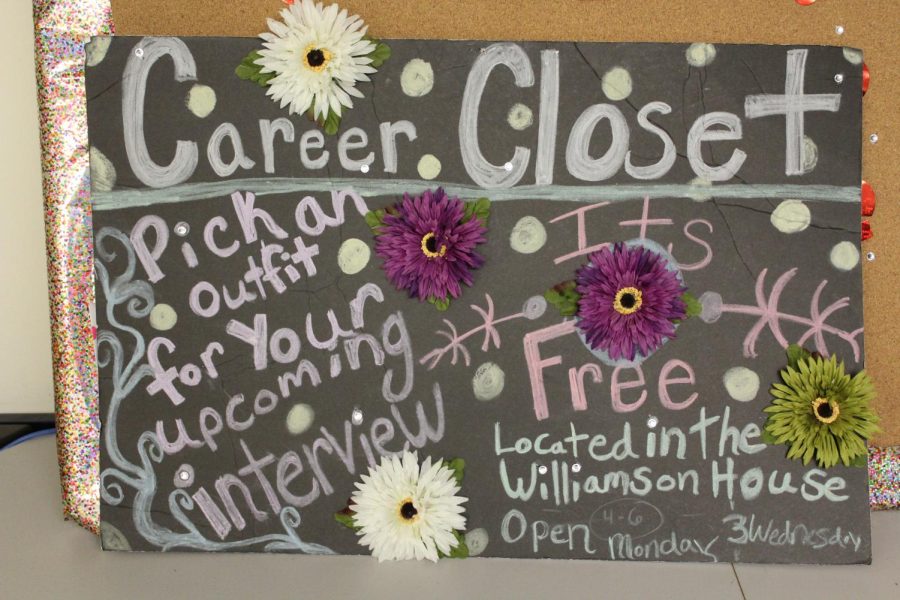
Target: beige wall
(26,382)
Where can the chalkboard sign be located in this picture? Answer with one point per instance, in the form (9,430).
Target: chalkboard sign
(262,344)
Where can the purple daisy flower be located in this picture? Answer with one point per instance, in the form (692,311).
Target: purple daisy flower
(629,300)
(428,246)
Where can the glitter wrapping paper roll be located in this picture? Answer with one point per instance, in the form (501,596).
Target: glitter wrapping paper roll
(884,478)
(62,27)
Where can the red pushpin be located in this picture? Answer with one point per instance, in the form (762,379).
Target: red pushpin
(866,231)
(867,199)
(865,78)
(805,2)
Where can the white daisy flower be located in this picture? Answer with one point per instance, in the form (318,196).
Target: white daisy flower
(318,54)
(405,511)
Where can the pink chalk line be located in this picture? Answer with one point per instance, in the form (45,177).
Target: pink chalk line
(769,316)
(456,340)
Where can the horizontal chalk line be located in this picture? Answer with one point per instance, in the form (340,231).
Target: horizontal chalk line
(189,192)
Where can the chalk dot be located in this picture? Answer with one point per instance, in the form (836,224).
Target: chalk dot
(616,83)
(844,256)
(520,117)
(791,216)
(113,539)
(356,417)
(542,469)
(652,421)
(528,235)
(853,56)
(95,51)
(741,383)
(201,100)
(300,418)
(103,172)
(711,307)
(701,189)
(534,307)
(429,166)
(477,540)
(417,78)
(163,317)
(184,476)
(353,256)
(700,55)
(810,154)
(488,381)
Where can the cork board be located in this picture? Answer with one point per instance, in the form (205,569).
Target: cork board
(871,28)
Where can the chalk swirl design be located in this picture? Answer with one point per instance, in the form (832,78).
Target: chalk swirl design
(127,372)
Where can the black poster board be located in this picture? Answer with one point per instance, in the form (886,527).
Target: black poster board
(242,346)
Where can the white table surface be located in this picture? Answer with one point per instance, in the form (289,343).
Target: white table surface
(43,556)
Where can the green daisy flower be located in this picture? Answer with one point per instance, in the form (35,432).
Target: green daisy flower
(820,412)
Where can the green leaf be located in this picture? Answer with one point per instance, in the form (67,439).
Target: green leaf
(694,308)
(375,220)
(795,354)
(480,209)
(461,550)
(861,460)
(564,297)
(380,54)
(768,438)
(441,304)
(250,71)
(346,519)
(458,466)
(331,124)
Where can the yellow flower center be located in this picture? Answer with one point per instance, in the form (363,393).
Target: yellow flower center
(407,511)
(628,301)
(315,58)
(429,246)
(825,411)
